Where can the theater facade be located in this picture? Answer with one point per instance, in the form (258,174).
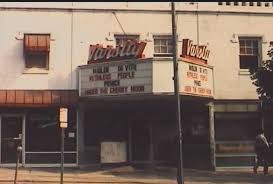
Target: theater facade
(127,106)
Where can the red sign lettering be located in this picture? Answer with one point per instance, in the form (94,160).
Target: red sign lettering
(131,49)
(195,52)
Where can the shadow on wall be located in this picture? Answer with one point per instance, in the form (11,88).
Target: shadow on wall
(59,81)
(12,64)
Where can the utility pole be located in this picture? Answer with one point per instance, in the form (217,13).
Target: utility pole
(180,178)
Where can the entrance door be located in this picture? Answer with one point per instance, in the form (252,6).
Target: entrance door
(140,142)
(11,137)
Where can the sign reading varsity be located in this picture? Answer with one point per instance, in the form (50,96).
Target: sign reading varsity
(198,53)
(197,79)
(131,50)
(116,78)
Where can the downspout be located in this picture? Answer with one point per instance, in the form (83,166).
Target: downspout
(197,23)
(71,48)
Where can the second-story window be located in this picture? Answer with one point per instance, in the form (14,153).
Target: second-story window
(121,39)
(36,50)
(249,52)
(163,46)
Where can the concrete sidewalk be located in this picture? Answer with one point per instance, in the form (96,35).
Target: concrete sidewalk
(130,175)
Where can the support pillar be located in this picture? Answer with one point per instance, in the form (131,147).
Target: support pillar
(80,135)
(212,136)
(130,141)
(151,155)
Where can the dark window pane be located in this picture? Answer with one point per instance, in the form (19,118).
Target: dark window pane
(251,4)
(220,3)
(255,51)
(242,51)
(249,51)
(36,60)
(163,49)
(170,49)
(121,39)
(157,42)
(248,43)
(255,43)
(258,3)
(235,3)
(247,62)
(242,43)
(118,42)
(157,49)
(170,43)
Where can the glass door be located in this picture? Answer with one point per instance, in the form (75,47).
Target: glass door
(11,138)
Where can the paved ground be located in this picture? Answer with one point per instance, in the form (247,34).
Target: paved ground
(129,175)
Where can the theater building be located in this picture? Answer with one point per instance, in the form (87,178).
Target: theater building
(123,106)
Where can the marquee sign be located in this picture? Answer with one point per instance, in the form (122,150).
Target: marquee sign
(198,53)
(197,79)
(117,78)
(131,50)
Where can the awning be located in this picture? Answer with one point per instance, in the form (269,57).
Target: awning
(36,42)
(29,98)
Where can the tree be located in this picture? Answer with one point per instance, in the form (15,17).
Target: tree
(262,77)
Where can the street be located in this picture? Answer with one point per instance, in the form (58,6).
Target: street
(134,176)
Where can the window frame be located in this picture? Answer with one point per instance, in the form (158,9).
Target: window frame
(44,54)
(163,54)
(124,37)
(251,47)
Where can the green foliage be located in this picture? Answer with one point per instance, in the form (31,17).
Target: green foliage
(262,77)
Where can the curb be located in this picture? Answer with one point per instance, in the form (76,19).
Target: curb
(56,181)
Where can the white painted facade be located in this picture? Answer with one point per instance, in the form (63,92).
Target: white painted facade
(74,26)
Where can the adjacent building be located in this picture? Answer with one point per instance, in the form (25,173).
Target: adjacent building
(111,65)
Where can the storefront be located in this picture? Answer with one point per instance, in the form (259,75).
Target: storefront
(236,125)
(29,119)
(127,107)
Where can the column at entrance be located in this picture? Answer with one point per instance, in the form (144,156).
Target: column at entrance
(151,155)
(212,136)
(80,134)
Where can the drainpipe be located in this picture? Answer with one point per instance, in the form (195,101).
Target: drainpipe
(71,48)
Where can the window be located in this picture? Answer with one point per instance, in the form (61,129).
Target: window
(249,52)
(42,136)
(251,4)
(258,3)
(121,39)
(243,3)
(236,3)
(220,3)
(227,3)
(163,46)
(36,50)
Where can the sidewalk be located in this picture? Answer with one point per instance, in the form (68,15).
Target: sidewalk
(129,175)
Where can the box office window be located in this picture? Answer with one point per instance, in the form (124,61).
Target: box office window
(122,39)
(36,50)
(163,46)
(249,52)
